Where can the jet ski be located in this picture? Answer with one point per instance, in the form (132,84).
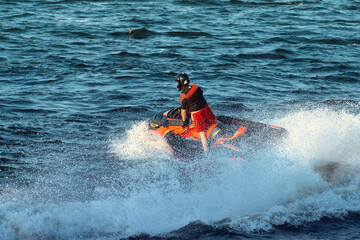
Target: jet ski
(228,133)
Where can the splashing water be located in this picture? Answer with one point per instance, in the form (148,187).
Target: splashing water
(139,143)
(326,140)
(288,184)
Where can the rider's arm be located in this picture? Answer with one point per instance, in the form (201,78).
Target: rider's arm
(183,104)
(183,114)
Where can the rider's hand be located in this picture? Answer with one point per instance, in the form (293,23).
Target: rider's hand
(185,123)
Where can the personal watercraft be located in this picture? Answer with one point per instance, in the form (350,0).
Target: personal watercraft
(228,133)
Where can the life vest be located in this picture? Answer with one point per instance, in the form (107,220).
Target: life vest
(192,99)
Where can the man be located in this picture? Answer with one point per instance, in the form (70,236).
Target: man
(192,101)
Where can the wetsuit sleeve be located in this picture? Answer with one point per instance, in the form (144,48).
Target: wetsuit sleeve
(183,101)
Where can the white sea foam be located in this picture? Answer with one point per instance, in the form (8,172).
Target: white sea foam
(314,173)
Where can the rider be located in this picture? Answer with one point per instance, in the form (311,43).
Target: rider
(192,101)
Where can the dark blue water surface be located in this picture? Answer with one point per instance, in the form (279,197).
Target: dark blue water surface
(79,79)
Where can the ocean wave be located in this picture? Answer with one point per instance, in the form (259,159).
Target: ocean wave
(188,34)
(134,109)
(144,33)
(260,3)
(341,78)
(32,110)
(229,106)
(272,56)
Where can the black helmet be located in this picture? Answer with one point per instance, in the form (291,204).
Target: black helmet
(182,79)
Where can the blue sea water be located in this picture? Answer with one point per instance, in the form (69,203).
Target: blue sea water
(77,86)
